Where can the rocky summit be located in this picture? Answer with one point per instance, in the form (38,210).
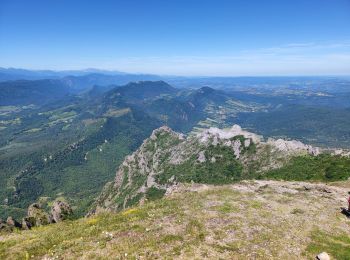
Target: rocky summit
(213,156)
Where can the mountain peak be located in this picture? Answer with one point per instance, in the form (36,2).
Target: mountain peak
(214,156)
(147,83)
(161,129)
(206,89)
(141,90)
(165,130)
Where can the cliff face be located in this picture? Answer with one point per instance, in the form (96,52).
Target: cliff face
(214,156)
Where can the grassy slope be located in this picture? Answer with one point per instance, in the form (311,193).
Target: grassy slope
(248,220)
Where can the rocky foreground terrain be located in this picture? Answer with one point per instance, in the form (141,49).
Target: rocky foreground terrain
(247,220)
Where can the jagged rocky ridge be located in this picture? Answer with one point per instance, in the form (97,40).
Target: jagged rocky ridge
(37,216)
(214,156)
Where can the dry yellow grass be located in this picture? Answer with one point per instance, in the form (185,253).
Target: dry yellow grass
(249,220)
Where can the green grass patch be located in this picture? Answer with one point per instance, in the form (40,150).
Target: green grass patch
(338,246)
(225,208)
(154,193)
(323,167)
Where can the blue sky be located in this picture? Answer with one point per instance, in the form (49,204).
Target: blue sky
(178,37)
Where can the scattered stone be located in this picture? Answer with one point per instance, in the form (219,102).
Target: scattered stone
(60,211)
(262,188)
(307,188)
(325,190)
(323,256)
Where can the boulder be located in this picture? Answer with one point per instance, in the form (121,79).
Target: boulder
(38,216)
(201,157)
(28,223)
(323,256)
(11,222)
(60,211)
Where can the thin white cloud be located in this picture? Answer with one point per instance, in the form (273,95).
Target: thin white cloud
(288,59)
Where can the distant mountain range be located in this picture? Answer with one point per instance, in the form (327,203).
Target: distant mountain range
(15,73)
(76,80)
(86,78)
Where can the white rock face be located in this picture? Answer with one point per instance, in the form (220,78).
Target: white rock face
(223,134)
(246,142)
(236,148)
(201,157)
(215,135)
(338,152)
(292,146)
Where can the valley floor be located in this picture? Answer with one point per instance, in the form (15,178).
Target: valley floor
(247,220)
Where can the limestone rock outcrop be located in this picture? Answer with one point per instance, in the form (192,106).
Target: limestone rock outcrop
(38,215)
(166,157)
(60,211)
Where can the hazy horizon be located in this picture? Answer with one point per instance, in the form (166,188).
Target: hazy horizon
(182,38)
(116,71)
